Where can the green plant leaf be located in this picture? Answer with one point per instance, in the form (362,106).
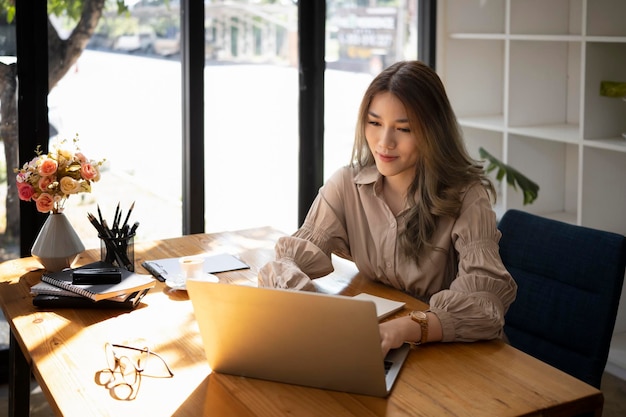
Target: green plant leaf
(612,89)
(514,178)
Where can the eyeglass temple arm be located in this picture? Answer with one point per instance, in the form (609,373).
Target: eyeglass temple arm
(145,349)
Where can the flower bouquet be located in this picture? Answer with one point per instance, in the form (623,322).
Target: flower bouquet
(48,180)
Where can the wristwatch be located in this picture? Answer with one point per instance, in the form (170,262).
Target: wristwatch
(422,318)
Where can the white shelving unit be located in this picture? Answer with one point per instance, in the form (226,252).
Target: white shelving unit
(524,79)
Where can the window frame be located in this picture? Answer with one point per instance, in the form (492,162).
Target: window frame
(32,55)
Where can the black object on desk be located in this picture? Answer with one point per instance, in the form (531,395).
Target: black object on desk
(97,276)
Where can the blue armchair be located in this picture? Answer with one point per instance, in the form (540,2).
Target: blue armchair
(569,284)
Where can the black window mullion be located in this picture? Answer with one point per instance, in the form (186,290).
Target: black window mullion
(311,52)
(192,55)
(31,25)
(427,31)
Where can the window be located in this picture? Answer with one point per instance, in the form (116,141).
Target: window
(251,115)
(123,98)
(361,40)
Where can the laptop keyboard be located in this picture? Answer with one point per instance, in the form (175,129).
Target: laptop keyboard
(388,366)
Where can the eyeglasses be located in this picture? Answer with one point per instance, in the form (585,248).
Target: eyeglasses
(130,371)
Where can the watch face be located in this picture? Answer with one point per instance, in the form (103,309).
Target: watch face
(419,315)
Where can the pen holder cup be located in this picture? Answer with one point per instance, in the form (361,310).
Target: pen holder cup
(119,251)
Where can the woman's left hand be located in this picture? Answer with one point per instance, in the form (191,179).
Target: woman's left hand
(394,333)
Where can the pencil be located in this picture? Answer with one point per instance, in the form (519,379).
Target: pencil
(99,214)
(130,210)
(115,217)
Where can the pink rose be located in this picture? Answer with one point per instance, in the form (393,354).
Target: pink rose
(44,182)
(45,203)
(88,171)
(21,177)
(48,167)
(80,157)
(25,191)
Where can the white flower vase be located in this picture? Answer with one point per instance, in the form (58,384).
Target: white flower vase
(57,244)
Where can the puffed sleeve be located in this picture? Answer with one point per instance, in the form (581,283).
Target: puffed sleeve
(474,306)
(306,254)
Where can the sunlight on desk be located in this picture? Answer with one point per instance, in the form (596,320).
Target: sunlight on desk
(64,349)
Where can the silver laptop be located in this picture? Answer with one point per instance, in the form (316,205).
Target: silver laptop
(311,339)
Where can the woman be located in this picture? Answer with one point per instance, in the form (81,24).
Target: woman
(413,212)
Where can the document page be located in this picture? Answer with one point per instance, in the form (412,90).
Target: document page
(384,306)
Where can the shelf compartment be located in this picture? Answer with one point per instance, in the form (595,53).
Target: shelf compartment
(615,144)
(606,18)
(492,142)
(605,117)
(474,16)
(544,83)
(474,77)
(554,167)
(540,17)
(494,122)
(478,36)
(569,133)
(547,38)
(604,190)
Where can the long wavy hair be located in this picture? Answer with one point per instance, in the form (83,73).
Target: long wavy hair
(444,168)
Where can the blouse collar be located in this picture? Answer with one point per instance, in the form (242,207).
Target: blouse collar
(367,175)
(370,176)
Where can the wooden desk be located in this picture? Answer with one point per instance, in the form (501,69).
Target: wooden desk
(64,350)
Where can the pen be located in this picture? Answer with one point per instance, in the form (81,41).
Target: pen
(158,271)
(133,229)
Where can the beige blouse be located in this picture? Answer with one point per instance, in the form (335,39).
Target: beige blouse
(466,285)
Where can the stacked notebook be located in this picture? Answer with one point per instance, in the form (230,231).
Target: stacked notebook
(62,290)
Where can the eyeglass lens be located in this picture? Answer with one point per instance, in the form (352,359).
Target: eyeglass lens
(128,370)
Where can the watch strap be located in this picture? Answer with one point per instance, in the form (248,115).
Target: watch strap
(421,318)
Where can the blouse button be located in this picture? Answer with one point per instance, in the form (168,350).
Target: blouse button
(388,264)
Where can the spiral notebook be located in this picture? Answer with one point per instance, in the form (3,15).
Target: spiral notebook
(131,282)
(43,288)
